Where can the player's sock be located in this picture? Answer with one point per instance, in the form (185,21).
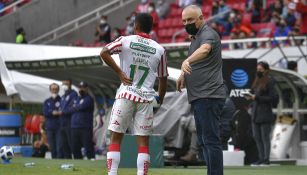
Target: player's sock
(143,160)
(113,159)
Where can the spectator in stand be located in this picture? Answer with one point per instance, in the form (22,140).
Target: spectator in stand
(162,9)
(52,124)
(228,26)
(215,8)
(285,8)
(234,35)
(143,6)
(296,32)
(253,34)
(116,33)
(103,31)
(185,3)
(242,35)
(216,27)
(223,8)
(152,11)
(275,18)
(21,36)
(82,124)
(130,24)
(274,7)
(290,18)
(302,9)
(255,11)
(282,29)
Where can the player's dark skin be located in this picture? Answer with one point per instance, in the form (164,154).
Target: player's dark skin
(116,138)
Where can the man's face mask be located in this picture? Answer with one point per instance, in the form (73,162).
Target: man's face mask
(191,29)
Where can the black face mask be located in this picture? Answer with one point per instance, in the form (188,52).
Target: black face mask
(260,74)
(82,93)
(191,29)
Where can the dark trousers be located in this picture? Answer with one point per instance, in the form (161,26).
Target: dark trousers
(54,139)
(82,137)
(207,113)
(261,133)
(65,143)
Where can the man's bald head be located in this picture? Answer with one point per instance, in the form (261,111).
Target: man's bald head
(193,9)
(193,14)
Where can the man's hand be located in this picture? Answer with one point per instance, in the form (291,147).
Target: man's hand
(180,83)
(124,79)
(185,67)
(55,112)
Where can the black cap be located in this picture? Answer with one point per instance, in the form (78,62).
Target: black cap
(83,84)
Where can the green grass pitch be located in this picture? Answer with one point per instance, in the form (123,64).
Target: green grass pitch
(86,167)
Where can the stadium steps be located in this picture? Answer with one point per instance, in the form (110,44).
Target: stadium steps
(91,17)
(40,16)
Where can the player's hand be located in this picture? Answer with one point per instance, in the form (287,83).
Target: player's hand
(180,83)
(124,79)
(185,67)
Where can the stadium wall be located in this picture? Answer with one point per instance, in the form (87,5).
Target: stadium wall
(86,33)
(41,16)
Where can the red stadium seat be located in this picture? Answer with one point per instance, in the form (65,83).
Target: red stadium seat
(264,29)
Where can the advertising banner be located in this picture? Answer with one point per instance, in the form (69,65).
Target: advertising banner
(239,75)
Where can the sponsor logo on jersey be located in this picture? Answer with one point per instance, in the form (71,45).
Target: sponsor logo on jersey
(142,48)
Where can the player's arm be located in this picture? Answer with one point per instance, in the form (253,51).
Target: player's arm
(162,74)
(106,57)
(162,88)
(201,53)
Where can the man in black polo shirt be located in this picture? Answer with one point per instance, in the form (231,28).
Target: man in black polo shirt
(202,75)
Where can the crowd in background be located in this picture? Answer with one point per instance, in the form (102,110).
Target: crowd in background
(279,18)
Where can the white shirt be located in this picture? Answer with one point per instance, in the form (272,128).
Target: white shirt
(142,59)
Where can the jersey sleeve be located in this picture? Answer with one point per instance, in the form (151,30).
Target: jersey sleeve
(162,68)
(115,47)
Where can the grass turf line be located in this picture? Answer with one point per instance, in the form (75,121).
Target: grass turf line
(83,167)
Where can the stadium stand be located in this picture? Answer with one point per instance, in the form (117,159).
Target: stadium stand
(9,6)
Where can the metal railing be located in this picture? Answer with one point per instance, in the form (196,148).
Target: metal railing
(13,5)
(79,22)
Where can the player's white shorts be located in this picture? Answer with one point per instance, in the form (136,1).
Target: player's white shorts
(126,112)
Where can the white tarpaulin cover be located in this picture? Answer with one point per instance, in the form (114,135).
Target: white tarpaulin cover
(28,86)
(33,88)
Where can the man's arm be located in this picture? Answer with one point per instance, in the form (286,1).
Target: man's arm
(162,88)
(106,57)
(200,54)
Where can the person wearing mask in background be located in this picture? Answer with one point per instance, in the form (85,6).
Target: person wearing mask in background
(82,123)
(152,11)
(162,9)
(302,9)
(103,31)
(142,7)
(115,33)
(52,124)
(21,36)
(263,99)
(65,118)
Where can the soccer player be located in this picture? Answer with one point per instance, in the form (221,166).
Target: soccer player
(141,61)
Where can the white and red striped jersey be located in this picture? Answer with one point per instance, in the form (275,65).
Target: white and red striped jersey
(142,59)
